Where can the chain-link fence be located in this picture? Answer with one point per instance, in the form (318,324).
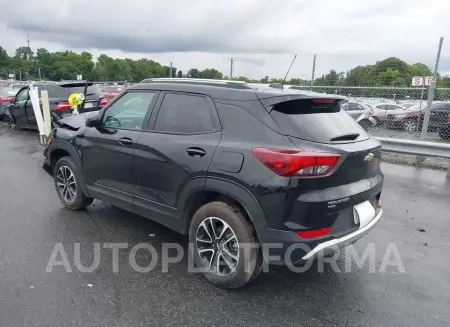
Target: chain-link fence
(396,112)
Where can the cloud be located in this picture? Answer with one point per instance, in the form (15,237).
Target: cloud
(261,36)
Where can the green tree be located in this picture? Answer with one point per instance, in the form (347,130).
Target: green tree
(210,73)
(193,73)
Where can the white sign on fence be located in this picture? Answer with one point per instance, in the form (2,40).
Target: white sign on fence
(421,81)
(79,77)
(429,80)
(417,81)
(11,75)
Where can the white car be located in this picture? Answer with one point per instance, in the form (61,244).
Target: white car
(380,111)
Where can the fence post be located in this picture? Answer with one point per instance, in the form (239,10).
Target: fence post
(426,119)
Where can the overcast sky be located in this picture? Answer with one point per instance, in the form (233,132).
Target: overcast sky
(262,36)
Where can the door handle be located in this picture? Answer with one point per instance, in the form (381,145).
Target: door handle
(126,141)
(194,151)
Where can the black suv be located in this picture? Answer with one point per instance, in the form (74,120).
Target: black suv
(230,164)
(21,109)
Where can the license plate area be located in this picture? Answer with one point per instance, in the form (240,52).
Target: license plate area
(363,213)
(88,105)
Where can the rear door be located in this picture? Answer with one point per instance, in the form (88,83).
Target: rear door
(177,147)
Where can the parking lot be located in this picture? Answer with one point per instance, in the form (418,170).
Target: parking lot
(416,219)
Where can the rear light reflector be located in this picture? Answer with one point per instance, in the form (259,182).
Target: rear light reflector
(5,99)
(297,162)
(314,232)
(103,102)
(378,202)
(63,105)
(448,118)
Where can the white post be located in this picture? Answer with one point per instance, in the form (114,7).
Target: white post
(46,112)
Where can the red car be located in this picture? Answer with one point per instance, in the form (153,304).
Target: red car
(110,92)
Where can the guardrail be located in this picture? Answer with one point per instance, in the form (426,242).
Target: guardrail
(419,148)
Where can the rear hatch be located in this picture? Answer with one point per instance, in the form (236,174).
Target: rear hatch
(321,125)
(93,94)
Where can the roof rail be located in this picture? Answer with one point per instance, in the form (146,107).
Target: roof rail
(201,81)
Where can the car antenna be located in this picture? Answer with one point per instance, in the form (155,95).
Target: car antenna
(282,83)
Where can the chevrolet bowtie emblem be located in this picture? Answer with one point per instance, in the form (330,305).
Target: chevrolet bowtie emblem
(369,157)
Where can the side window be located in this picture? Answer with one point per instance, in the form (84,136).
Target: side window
(22,95)
(184,114)
(129,111)
(351,107)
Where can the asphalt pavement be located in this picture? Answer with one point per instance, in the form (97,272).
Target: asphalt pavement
(32,221)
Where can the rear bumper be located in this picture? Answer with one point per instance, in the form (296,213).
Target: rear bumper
(286,247)
(331,246)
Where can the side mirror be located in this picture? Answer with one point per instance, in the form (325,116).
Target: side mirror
(94,121)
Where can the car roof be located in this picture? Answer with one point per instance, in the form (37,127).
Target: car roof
(227,90)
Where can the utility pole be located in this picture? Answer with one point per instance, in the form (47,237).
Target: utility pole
(231,69)
(29,55)
(40,78)
(171,75)
(431,90)
(313,71)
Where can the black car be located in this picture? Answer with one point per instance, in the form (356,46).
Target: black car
(230,164)
(440,119)
(22,113)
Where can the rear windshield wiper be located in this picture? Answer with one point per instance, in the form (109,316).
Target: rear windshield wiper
(345,137)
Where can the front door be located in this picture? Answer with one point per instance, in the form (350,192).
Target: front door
(177,149)
(18,108)
(107,150)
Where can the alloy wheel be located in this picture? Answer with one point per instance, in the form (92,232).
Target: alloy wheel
(217,246)
(410,126)
(66,183)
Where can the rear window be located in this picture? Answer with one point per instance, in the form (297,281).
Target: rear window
(79,88)
(317,122)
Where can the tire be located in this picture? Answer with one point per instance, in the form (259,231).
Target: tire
(230,221)
(444,134)
(410,125)
(66,178)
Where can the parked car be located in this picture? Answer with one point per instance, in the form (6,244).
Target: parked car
(111,91)
(22,112)
(409,119)
(440,118)
(381,111)
(354,109)
(6,96)
(230,164)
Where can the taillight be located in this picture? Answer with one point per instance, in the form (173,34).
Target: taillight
(448,118)
(297,162)
(5,99)
(63,105)
(103,102)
